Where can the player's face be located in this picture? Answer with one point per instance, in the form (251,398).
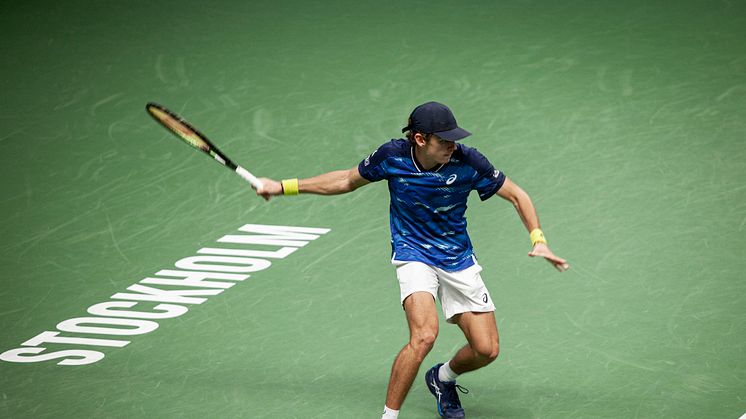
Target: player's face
(439,150)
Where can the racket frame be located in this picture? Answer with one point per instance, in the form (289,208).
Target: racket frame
(154,109)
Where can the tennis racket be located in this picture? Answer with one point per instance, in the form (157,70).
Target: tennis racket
(196,139)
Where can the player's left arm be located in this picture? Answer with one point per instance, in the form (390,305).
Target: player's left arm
(526,210)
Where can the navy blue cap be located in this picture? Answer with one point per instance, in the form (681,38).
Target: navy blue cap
(435,118)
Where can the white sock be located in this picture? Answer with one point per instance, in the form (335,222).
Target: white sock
(389,413)
(445,373)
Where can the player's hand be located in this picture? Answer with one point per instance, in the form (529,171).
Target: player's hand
(541,249)
(269,188)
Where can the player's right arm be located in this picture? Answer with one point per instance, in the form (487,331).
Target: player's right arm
(372,169)
(331,183)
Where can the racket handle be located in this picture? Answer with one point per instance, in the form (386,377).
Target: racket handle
(256,183)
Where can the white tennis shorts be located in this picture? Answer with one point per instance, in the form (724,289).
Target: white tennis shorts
(458,292)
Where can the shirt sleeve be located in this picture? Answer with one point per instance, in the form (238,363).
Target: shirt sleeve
(487,179)
(374,167)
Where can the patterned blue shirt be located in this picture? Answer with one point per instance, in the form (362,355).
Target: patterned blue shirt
(427,207)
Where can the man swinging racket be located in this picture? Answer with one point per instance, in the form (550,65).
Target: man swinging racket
(430,175)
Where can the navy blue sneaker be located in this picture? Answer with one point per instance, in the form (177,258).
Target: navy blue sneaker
(449,406)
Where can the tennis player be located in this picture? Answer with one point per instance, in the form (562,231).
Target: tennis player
(430,175)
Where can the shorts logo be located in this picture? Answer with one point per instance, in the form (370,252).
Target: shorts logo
(451,179)
(497,173)
(484,298)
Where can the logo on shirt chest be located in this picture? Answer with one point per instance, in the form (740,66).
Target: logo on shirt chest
(451,179)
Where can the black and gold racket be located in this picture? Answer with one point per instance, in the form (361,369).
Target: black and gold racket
(185,131)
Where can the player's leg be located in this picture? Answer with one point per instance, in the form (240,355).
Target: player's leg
(422,318)
(467,302)
(480,330)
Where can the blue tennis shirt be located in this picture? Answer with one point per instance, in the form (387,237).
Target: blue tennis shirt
(427,207)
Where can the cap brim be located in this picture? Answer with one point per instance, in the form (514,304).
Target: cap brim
(453,135)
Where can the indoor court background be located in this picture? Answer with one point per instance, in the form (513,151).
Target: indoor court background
(625,121)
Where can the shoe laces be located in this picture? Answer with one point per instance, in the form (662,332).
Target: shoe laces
(451,395)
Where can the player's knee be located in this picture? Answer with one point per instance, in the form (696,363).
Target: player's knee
(423,342)
(488,351)
(494,353)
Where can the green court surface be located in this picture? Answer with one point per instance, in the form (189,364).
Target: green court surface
(625,122)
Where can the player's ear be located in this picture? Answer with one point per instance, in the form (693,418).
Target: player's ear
(420,139)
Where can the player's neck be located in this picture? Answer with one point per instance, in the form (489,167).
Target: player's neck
(425,163)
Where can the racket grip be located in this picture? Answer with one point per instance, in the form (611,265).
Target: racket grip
(256,183)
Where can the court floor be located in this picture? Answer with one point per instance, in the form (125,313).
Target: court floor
(625,122)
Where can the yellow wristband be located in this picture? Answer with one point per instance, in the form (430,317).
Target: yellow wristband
(290,187)
(537,236)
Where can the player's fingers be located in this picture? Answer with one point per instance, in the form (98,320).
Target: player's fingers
(556,261)
(263,186)
(553,258)
(562,267)
(541,253)
(264,194)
